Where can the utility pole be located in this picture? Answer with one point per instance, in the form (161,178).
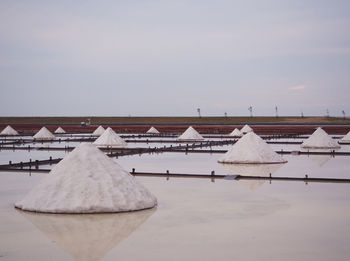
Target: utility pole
(276,109)
(327,113)
(199,112)
(343,112)
(250,109)
(225,114)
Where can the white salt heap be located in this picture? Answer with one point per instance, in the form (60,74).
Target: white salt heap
(346,138)
(246,128)
(59,130)
(236,133)
(320,139)
(251,149)
(87,181)
(110,139)
(9,131)
(152,130)
(44,134)
(190,134)
(99,131)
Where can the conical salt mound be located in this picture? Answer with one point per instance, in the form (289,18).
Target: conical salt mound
(99,131)
(110,139)
(236,133)
(44,134)
(9,131)
(320,139)
(152,130)
(346,138)
(87,181)
(246,128)
(251,149)
(59,130)
(190,134)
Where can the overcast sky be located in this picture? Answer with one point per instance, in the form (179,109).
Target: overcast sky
(168,58)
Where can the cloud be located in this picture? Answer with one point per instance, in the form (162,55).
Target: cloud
(297,87)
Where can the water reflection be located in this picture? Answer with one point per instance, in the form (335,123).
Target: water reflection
(252,170)
(88,236)
(321,160)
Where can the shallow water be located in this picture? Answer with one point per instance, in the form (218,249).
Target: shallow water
(196,219)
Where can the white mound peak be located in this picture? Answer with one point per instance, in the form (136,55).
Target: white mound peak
(99,131)
(87,181)
(320,139)
(110,139)
(9,131)
(44,134)
(251,149)
(152,130)
(190,134)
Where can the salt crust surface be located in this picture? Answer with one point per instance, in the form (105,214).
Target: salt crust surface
(246,128)
(99,131)
(153,130)
(59,130)
(346,138)
(236,133)
(320,139)
(190,134)
(251,149)
(44,134)
(87,181)
(9,131)
(110,139)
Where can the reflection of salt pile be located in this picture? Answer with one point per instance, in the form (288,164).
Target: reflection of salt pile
(346,138)
(152,130)
(236,133)
(110,139)
(190,134)
(44,134)
(251,149)
(88,237)
(320,139)
(87,181)
(98,132)
(9,131)
(246,128)
(59,130)
(262,170)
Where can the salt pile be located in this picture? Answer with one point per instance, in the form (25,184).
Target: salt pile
(236,133)
(9,131)
(44,134)
(153,130)
(320,139)
(99,131)
(190,134)
(246,128)
(87,181)
(346,138)
(251,149)
(59,130)
(110,139)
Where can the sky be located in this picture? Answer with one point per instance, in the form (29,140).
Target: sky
(169,58)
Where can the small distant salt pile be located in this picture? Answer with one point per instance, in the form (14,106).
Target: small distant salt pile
(246,128)
(153,130)
(59,130)
(251,149)
(87,181)
(346,138)
(9,131)
(236,133)
(99,131)
(320,139)
(110,139)
(44,134)
(190,135)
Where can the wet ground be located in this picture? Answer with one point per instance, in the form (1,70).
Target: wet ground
(196,219)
